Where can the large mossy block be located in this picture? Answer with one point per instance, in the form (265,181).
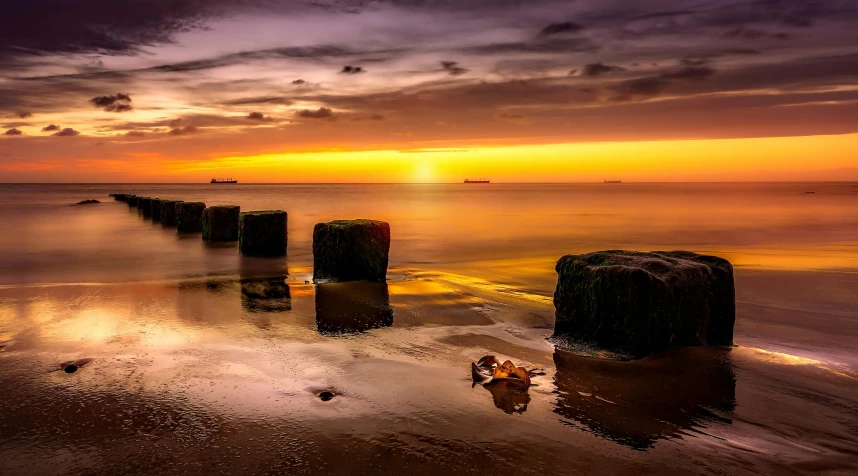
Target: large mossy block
(169,212)
(189,217)
(262,233)
(146,206)
(220,223)
(633,303)
(155,209)
(351,250)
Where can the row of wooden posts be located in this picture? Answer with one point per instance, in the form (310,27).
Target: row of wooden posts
(343,250)
(259,233)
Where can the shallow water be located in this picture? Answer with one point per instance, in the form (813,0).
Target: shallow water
(207,362)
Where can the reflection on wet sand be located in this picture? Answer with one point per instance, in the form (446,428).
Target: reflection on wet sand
(509,395)
(263,285)
(266,294)
(354,307)
(639,402)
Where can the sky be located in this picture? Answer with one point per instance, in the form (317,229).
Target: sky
(428,90)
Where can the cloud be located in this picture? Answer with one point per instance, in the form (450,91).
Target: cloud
(513,118)
(637,89)
(321,113)
(453,68)
(689,72)
(116,103)
(135,134)
(598,69)
(67,132)
(560,28)
(258,100)
(258,116)
(51,128)
(370,117)
(13,132)
(299,81)
(45,27)
(352,70)
(181,131)
(24,114)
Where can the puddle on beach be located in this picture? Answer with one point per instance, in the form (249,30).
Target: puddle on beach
(263,371)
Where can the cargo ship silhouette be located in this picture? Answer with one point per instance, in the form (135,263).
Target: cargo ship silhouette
(223,181)
(476,180)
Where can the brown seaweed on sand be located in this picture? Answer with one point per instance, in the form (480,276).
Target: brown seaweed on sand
(507,383)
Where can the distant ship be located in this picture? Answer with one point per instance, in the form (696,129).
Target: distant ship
(613,181)
(229,180)
(467,180)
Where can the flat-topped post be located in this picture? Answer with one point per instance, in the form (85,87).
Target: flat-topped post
(168,212)
(262,233)
(633,303)
(351,250)
(146,206)
(155,209)
(189,217)
(131,200)
(220,223)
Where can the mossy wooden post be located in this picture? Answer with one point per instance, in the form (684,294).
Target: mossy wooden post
(146,206)
(155,209)
(189,217)
(132,200)
(262,233)
(351,250)
(220,223)
(168,212)
(634,303)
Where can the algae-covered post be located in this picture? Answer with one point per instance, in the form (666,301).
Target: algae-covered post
(145,204)
(132,200)
(220,223)
(262,233)
(351,250)
(189,217)
(634,303)
(168,212)
(155,209)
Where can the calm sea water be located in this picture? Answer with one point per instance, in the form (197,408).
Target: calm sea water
(186,366)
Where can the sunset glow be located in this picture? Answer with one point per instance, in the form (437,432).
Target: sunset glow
(337,91)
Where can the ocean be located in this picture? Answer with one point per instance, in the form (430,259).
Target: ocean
(193,359)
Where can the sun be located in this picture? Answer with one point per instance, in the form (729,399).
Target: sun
(424,173)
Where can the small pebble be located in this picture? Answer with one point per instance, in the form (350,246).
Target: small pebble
(326,396)
(70,369)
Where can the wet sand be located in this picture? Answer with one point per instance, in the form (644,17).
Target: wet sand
(217,366)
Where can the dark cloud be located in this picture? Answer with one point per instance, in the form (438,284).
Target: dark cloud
(51,128)
(40,27)
(135,134)
(13,132)
(24,114)
(453,68)
(299,81)
(67,132)
(755,34)
(689,72)
(321,113)
(540,45)
(258,100)
(637,89)
(598,69)
(116,103)
(352,70)
(258,116)
(181,131)
(560,28)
